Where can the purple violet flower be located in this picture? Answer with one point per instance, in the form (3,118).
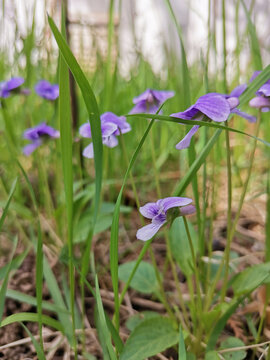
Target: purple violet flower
(262,100)
(150,101)
(217,107)
(157,212)
(36,135)
(47,90)
(111,126)
(6,87)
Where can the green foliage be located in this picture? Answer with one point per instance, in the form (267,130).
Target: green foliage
(180,245)
(144,280)
(232,342)
(137,319)
(250,278)
(149,338)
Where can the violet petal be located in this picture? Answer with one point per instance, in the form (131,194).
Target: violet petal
(148,231)
(174,201)
(185,142)
(149,210)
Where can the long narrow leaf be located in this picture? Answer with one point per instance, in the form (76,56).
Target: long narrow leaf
(39,350)
(103,322)
(5,282)
(10,196)
(66,155)
(27,316)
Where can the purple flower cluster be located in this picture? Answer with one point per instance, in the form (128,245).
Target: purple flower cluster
(47,90)
(6,87)
(150,101)
(37,135)
(262,100)
(111,126)
(157,213)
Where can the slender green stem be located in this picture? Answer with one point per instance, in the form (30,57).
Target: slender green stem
(139,259)
(224,46)
(229,210)
(162,295)
(135,193)
(152,139)
(199,329)
(241,201)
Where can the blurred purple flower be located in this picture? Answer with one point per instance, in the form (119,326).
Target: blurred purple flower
(262,100)
(217,107)
(36,135)
(157,212)
(150,101)
(6,87)
(111,126)
(46,90)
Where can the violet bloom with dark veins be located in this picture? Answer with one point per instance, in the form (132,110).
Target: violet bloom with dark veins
(150,101)
(6,87)
(111,126)
(37,135)
(214,106)
(47,90)
(157,212)
(262,100)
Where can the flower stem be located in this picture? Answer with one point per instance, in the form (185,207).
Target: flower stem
(241,201)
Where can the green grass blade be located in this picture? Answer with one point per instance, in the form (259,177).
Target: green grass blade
(115,229)
(183,184)
(66,155)
(10,196)
(3,289)
(91,105)
(57,298)
(103,322)
(27,316)
(255,45)
(93,113)
(182,355)
(28,299)
(39,251)
(39,350)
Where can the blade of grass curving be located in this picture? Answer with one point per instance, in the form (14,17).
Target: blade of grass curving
(66,155)
(3,289)
(93,113)
(255,45)
(39,350)
(202,123)
(10,196)
(182,355)
(115,229)
(187,102)
(57,298)
(103,322)
(31,300)
(115,336)
(15,263)
(39,252)
(28,316)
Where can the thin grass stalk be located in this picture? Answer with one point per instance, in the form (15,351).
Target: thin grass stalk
(39,260)
(66,150)
(108,75)
(241,201)
(161,295)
